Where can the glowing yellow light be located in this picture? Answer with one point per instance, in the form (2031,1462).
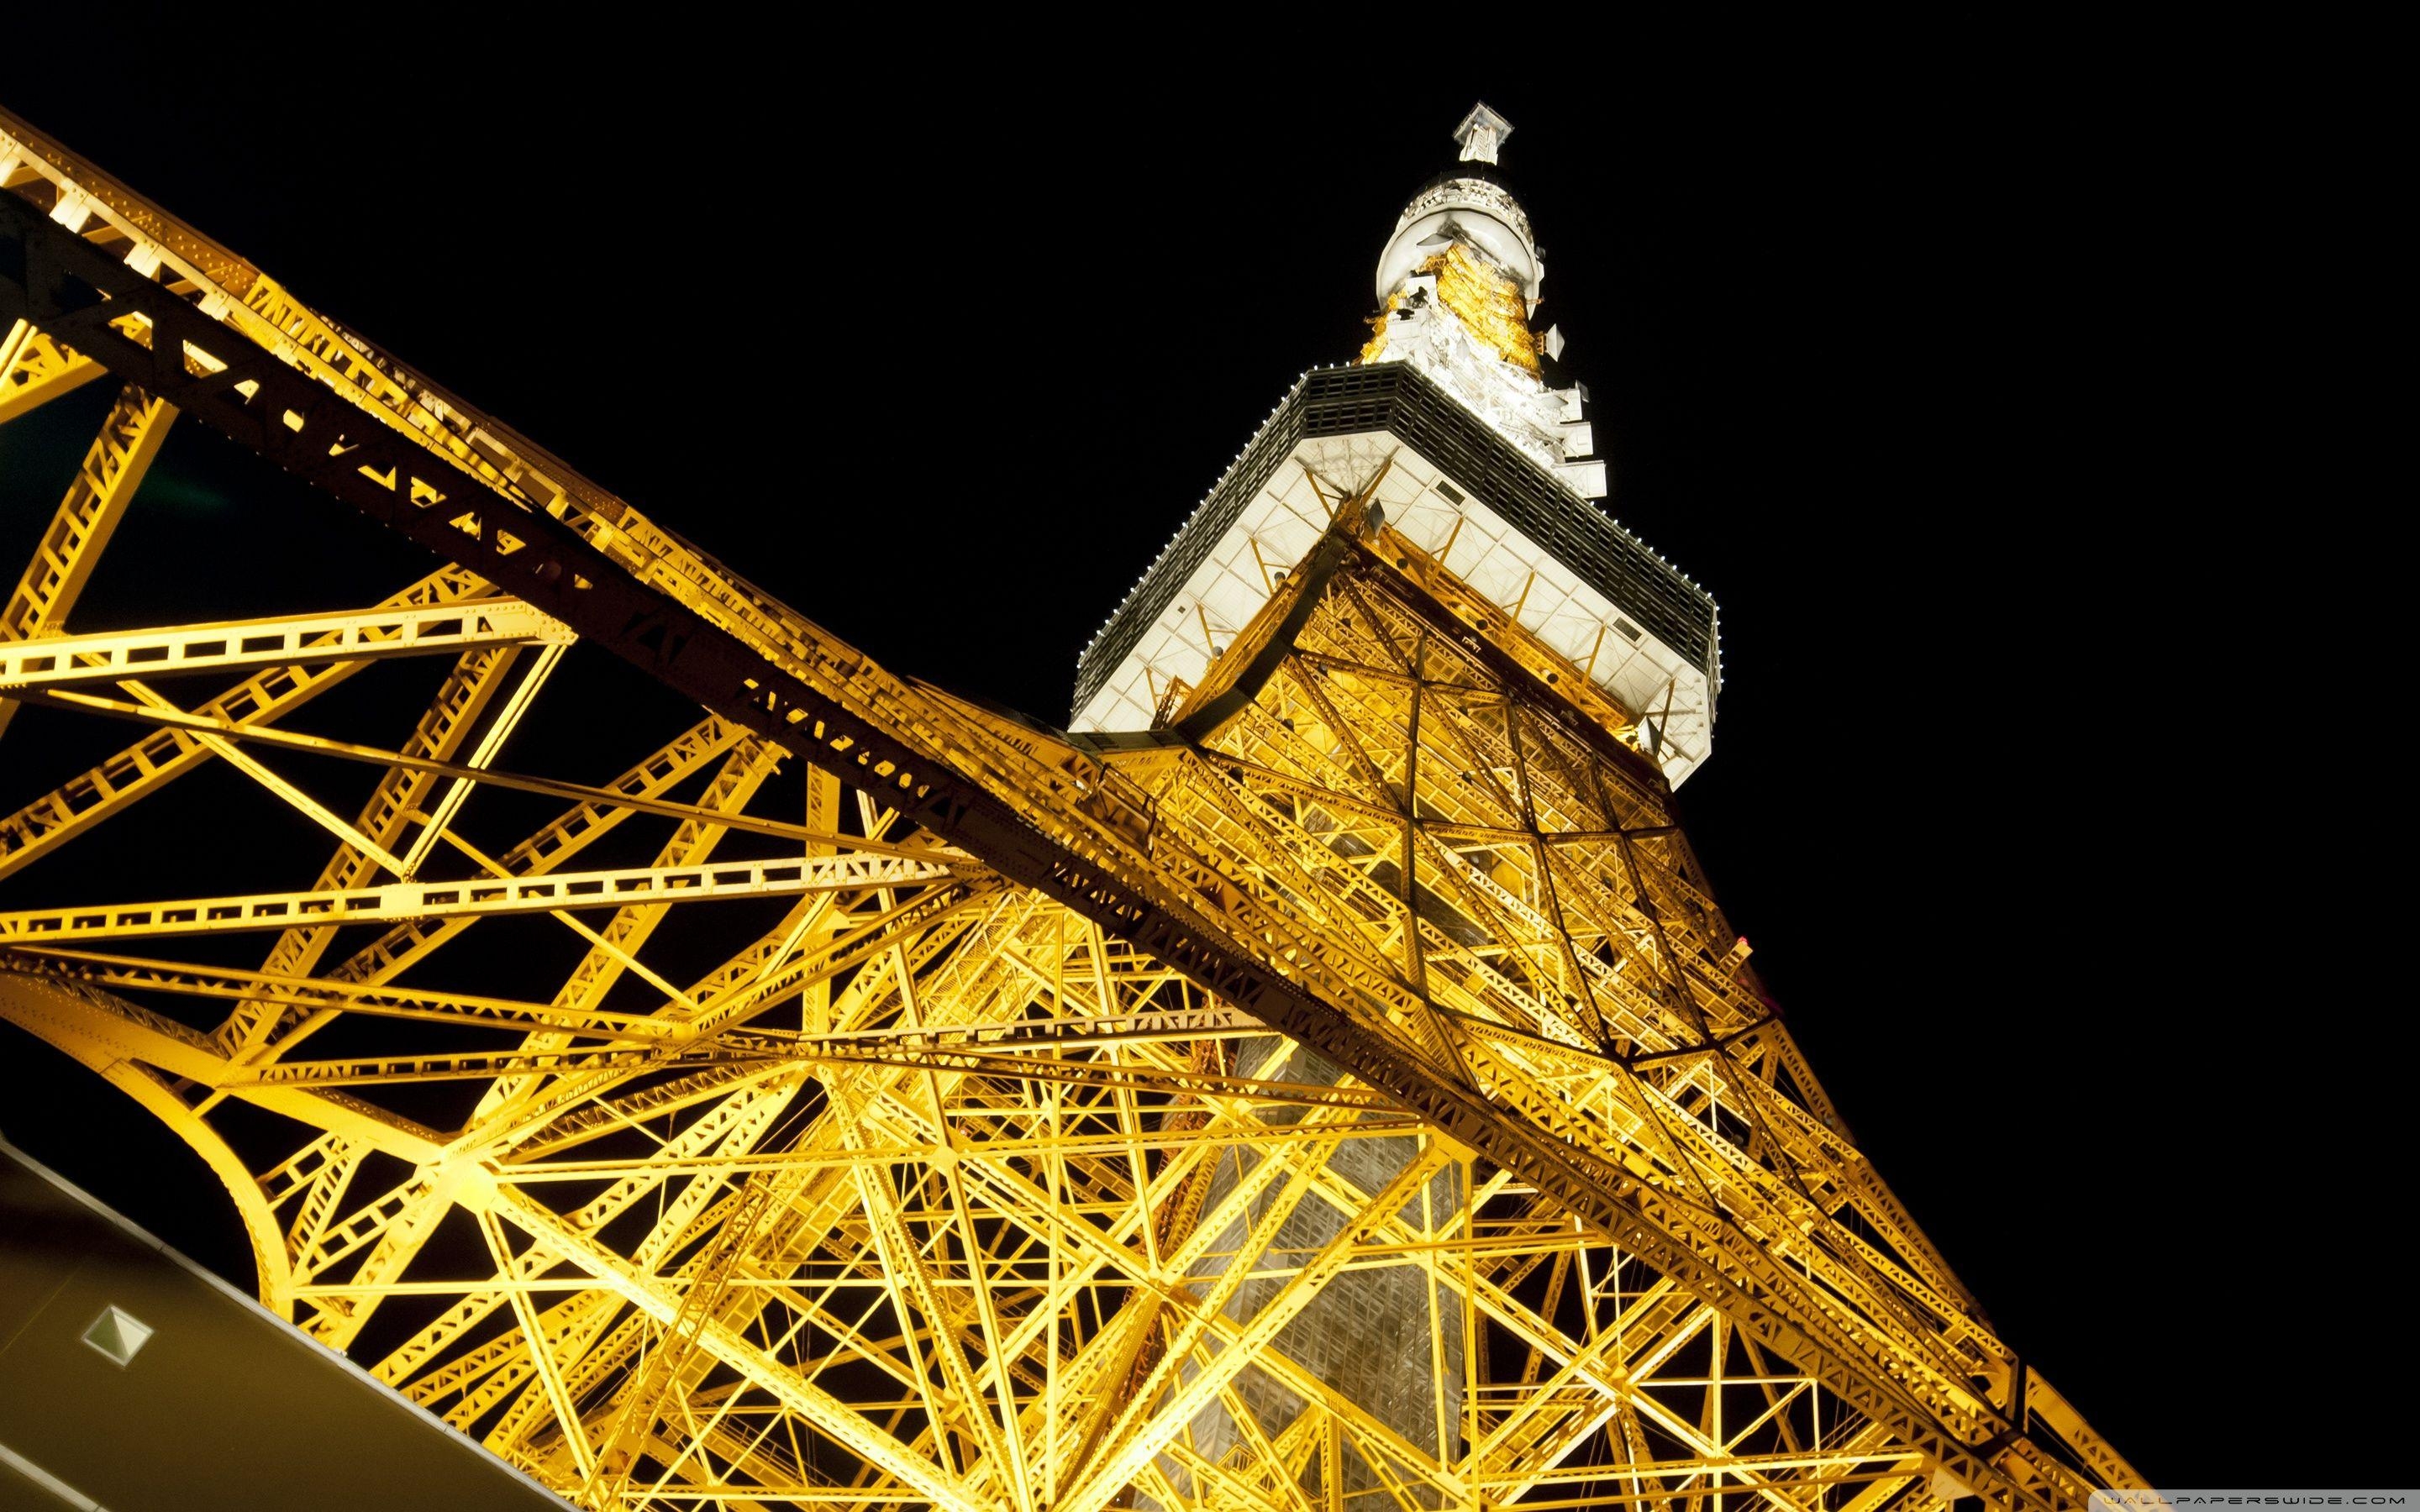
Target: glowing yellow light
(1376,347)
(1483,296)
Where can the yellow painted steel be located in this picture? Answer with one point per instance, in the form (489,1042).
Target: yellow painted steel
(113,469)
(1486,299)
(35,369)
(61,659)
(934,1188)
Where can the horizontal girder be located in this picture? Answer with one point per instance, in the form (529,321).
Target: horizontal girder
(475,897)
(417,630)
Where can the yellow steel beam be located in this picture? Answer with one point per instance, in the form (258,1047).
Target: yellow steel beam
(433,824)
(114,468)
(184,978)
(104,1031)
(159,758)
(34,370)
(477,897)
(742,773)
(1147,1423)
(407,631)
(203,722)
(278,787)
(250,1027)
(384,818)
(812,1402)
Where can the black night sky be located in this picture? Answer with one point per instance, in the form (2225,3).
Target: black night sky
(1903,364)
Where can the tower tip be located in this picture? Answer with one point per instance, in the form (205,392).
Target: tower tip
(1481,133)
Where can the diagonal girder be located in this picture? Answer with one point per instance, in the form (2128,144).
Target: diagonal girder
(727,1345)
(141,769)
(113,469)
(35,369)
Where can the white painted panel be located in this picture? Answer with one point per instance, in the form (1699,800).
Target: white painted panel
(1285,520)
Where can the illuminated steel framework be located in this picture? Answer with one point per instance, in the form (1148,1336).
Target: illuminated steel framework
(1059,1115)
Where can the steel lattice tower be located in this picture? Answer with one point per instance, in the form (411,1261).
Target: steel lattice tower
(1321,1079)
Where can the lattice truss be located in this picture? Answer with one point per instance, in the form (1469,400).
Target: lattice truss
(1350,1098)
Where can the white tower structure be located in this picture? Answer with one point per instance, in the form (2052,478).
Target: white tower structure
(1454,427)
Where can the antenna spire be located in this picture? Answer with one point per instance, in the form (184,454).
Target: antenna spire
(1481,133)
